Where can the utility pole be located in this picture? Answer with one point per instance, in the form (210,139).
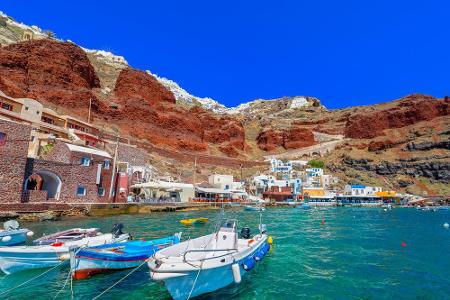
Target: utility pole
(89,112)
(114,169)
(195,168)
(242,179)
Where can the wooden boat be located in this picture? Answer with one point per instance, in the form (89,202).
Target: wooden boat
(254,208)
(67,235)
(194,221)
(20,258)
(208,263)
(117,256)
(12,234)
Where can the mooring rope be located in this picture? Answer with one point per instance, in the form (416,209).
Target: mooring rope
(31,279)
(195,281)
(119,281)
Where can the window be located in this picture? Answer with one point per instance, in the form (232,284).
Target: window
(106,164)
(6,106)
(101,191)
(85,161)
(81,191)
(47,120)
(2,139)
(26,107)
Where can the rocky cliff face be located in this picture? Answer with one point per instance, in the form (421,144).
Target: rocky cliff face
(395,138)
(53,72)
(60,74)
(410,110)
(292,138)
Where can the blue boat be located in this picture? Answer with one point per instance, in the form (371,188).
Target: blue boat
(117,256)
(12,234)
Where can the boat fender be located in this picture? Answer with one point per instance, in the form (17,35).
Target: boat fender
(236,273)
(250,241)
(65,256)
(6,238)
(248,264)
(57,244)
(30,233)
(259,255)
(270,240)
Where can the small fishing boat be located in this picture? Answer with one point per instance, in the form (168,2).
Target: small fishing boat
(254,208)
(20,258)
(117,256)
(208,263)
(194,221)
(12,234)
(303,205)
(73,234)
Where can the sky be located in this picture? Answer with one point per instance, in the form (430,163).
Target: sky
(345,53)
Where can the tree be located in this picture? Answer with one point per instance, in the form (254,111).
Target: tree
(315,163)
(50,34)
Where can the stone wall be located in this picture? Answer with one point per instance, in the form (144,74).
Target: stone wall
(132,155)
(13,159)
(67,166)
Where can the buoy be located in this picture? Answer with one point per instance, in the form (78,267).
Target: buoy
(403,244)
(248,264)
(446,225)
(270,240)
(323,222)
(30,233)
(236,273)
(6,238)
(385,209)
(259,255)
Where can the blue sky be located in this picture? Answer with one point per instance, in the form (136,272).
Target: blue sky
(343,52)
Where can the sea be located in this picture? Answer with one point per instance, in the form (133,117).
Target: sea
(321,253)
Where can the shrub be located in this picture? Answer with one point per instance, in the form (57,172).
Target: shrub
(315,163)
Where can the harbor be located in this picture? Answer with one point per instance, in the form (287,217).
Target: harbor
(343,250)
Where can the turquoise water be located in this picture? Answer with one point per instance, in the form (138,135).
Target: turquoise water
(356,254)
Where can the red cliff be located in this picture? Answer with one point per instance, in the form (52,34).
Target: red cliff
(409,110)
(292,138)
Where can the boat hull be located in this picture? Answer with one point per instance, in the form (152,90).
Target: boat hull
(116,256)
(86,267)
(12,262)
(180,283)
(21,258)
(17,237)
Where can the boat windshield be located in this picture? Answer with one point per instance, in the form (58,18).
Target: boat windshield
(228,225)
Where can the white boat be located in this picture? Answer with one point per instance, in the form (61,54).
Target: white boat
(66,236)
(20,258)
(12,234)
(254,208)
(208,263)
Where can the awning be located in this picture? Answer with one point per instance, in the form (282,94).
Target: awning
(212,190)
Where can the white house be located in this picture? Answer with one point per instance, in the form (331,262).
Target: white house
(361,190)
(224,182)
(278,166)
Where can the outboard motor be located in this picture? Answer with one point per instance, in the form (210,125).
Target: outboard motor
(11,225)
(117,230)
(245,233)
